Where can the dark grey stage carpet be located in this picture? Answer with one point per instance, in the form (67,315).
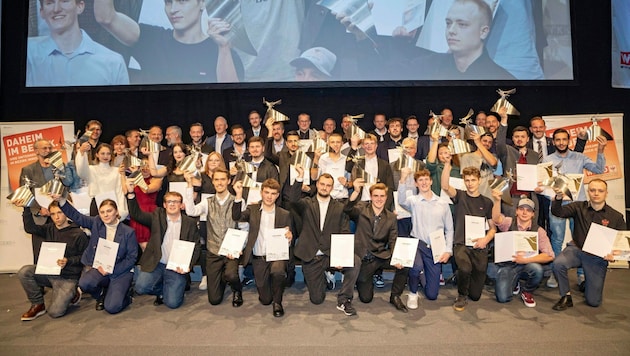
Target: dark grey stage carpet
(197,328)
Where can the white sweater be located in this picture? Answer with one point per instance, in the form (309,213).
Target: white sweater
(102,178)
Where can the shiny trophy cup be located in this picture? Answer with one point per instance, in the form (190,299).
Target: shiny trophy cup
(408,162)
(594,130)
(301,158)
(469,127)
(23,196)
(230,12)
(138,180)
(85,137)
(130,160)
(189,165)
(248,182)
(273,114)
(55,186)
(54,158)
(356,130)
(458,146)
(503,102)
(358,172)
(436,126)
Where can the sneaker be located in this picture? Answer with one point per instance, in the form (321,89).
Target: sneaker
(35,312)
(412,301)
(247,281)
(203,285)
(528,299)
(551,282)
(77,297)
(346,308)
(460,303)
(442,281)
(378,281)
(330,280)
(517,288)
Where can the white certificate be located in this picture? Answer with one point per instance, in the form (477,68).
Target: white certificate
(180,256)
(233,242)
(401,213)
(389,15)
(105,256)
(438,244)
(179,187)
(253,196)
(49,253)
(342,250)
(475,227)
(621,247)
(599,240)
(99,198)
(42,198)
(394,154)
(511,243)
(204,197)
(456,183)
(81,201)
(276,244)
(404,251)
(526,177)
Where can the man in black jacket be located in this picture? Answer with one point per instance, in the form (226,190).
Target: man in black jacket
(64,285)
(167,224)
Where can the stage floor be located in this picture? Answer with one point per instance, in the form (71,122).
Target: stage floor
(485,327)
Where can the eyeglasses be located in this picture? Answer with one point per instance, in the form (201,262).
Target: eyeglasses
(173,201)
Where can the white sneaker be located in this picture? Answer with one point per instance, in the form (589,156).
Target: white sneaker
(203,285)
(412,301)
(551,282)
(330,280)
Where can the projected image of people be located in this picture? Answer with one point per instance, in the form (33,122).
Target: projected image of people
(67,56)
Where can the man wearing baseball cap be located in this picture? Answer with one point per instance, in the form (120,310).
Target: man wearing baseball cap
(315,64)
(530,269)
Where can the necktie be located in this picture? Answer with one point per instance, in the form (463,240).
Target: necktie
(540,152)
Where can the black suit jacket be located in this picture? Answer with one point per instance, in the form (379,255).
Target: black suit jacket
(265,171)
(156,221)
(252,214)
(249,133)
(379,242)
(311,237)
(579,145)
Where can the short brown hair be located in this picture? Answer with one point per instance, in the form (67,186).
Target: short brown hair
(471,171)
(379,186)
(256,139)
(174,194)
(421,173)
(270,183)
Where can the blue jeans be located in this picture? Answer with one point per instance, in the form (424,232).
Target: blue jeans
(510,273)
(63,289)
(594,271)
(117,297)
(424,263)
(163,282)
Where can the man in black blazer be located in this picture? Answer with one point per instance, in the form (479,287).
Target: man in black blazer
(256,129)
(275,142)
(264,168)
(322,216)
(238,148)
(167,224)
(262,217)
(374,241)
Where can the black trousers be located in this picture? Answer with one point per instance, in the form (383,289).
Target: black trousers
(316,281)
(472,264)
(365,285)
(270,279)
(221,271)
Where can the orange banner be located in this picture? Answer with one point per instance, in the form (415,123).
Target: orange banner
(19,150)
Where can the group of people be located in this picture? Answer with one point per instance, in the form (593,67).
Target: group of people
(258,179)
(276,41)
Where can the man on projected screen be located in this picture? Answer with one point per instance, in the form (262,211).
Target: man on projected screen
(467,26)
(69,56)
(183,54)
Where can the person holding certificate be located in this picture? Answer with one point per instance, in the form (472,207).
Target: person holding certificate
(322,216)
(220,270)
(74,241)
(112,287)
(529,268)
(168,225)
(375,237)
(429,215)
(473,231)
(263,218)
(584,213)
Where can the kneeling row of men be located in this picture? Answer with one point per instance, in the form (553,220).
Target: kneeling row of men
(321,216)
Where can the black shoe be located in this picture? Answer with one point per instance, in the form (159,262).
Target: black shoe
(237,299)
(247,281)
(100,303)
(564,303)
(278,311)
(395,300)
(582,286)
(159,300)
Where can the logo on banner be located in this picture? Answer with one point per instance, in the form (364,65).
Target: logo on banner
(625,58)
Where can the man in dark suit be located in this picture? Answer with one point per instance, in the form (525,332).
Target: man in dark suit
(238,148)
(264,168)
(322,216)
(173,136)
(40,172)
(221,140)
(374,241)
(392,140)
(275,142)
(167,224)
(262,217)
(256,129)
(198,141)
